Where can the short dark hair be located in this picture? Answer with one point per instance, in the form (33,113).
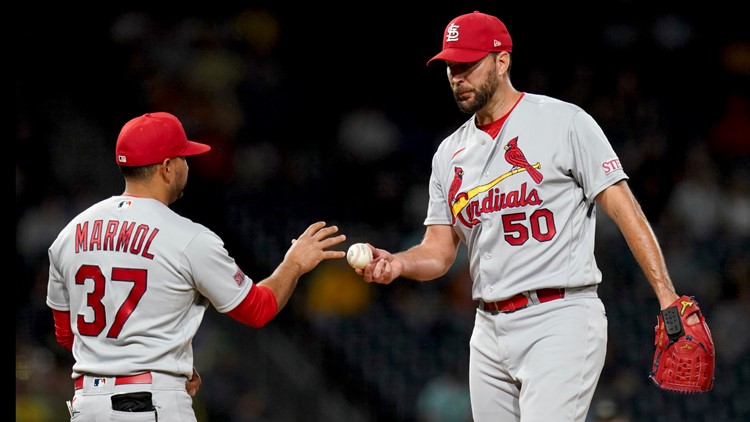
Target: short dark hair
(138,172)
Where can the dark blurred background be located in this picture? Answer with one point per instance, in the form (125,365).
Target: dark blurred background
(322,112)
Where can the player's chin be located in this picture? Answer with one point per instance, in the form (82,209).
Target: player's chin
(467,106)
(462,97)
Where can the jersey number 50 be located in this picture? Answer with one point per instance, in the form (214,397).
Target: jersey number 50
(541,221)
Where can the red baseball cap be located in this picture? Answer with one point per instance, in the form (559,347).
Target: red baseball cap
(152,138)
(472,36)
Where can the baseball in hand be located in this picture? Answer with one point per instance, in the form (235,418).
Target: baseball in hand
(359,255)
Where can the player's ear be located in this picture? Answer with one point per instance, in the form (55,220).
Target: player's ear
(502,61)
(167,169)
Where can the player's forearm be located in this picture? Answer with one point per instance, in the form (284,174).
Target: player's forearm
(282,282)
(645,248)
(423,263)
(623,208)
(433,257)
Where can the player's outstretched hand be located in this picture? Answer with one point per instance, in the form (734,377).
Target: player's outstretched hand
(312,246)
(383,269)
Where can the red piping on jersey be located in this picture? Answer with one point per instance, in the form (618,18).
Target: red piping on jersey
(456,153)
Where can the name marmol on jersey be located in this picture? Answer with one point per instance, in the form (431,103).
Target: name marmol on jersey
(115,235)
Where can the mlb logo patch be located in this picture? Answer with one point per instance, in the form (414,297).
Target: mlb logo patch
(100,382)
(125,203)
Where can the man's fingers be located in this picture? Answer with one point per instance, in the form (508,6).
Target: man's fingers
(314,227)
(326,231)
(332,241)
(333,254)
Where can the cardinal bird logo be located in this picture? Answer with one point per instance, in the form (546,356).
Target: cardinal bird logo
(458,178)
(455,184)
(515,156)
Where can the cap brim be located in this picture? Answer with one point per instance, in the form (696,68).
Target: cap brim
(459,55)
(195,148)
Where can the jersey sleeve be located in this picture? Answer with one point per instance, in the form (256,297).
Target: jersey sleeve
(438,211)
(57,291)
(596,165)
(214,272)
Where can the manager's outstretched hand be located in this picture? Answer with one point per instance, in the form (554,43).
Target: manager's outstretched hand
(311,247)
(306,252)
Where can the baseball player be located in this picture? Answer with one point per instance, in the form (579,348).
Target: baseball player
(130,281)
(519,184)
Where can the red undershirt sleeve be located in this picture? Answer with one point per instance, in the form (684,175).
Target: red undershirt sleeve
(63,332)
(258,307)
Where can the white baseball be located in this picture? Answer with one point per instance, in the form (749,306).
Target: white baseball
(359,255)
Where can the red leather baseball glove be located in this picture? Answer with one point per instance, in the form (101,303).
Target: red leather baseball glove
(684,359)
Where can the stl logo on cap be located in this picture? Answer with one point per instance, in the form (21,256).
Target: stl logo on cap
(472,36)
(452,33)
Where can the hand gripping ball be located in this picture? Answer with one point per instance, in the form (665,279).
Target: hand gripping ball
(359,255)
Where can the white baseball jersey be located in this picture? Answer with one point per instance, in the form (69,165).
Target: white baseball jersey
(523,203)
(137,279)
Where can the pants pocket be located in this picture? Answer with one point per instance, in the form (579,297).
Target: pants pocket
(139,401)
(131,407)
